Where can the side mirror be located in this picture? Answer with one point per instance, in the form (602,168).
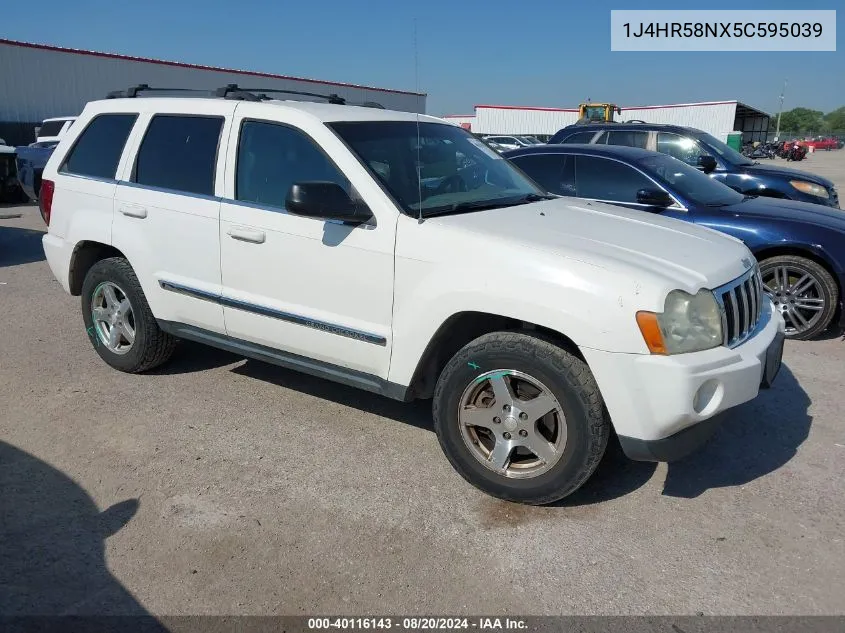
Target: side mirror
(327,201)
(654,198)
(707,164)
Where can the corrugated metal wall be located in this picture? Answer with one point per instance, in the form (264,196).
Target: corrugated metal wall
(466,122)
(37,83)
(493,120)
(717,118)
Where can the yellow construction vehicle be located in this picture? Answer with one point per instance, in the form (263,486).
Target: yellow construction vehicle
(597,112)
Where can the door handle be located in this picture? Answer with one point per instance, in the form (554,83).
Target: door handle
(246,235)
(133,211)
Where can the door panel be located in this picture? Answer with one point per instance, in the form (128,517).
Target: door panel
(307,286)
(166,217)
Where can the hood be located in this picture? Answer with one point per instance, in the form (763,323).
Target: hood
(791,210)
(681,253)
(786,173)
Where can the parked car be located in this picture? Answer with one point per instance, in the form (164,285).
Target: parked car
(53,129)
(800,246)
(704,151)
(821,143)
(30,165)
(512,142)
(9,187)
(397,253)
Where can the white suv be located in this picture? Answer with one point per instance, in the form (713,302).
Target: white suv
(399,254)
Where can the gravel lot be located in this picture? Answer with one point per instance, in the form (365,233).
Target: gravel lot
(220,485)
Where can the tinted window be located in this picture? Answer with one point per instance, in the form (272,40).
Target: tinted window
(98,149)
(554,172)
(579,137)
(683,148)
(629,138)
(51,128)
(689,182)
(271,158)
(604,179)
(434,167)
(179,152)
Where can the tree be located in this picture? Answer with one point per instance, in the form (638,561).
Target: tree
(803,121)
(836,120)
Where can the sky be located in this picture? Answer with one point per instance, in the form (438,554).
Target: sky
(508,52)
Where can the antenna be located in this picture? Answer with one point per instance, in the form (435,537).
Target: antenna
(780,110)
(418,166)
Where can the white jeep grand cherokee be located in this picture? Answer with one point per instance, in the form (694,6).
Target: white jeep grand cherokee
(399,254)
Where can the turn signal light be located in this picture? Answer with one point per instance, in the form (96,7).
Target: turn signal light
(650,329)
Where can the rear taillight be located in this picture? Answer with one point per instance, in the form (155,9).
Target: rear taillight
(45,199)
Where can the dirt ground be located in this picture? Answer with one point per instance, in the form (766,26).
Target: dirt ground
(219,485)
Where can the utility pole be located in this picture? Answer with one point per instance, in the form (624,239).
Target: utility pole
(780,111)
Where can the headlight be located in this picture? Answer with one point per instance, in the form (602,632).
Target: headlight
(810,187)
(688,323)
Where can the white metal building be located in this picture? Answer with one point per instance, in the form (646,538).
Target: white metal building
(716,117)
(39,81)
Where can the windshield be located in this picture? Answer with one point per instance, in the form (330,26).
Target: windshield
(530,140)
(688,182)
(726,152)
(431,167)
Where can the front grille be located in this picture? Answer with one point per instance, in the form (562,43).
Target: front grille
(741,305)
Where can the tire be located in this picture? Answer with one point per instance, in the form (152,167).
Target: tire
(514,356)
(150,346)
(819,300)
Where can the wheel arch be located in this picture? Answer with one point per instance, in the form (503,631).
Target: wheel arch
(462,328)
(85,254)
(799,251)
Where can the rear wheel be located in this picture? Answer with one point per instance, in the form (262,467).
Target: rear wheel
(803,292)
(118,319)
(520,418)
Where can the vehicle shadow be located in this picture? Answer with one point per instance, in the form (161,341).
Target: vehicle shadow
(20,246)
(832,333)
(53,539)
(416,413)
(754,440)
(191,357)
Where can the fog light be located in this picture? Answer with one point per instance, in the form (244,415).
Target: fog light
(708,396)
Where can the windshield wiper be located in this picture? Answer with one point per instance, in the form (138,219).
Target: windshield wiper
(483,205)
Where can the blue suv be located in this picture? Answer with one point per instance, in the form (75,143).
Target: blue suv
(709,154)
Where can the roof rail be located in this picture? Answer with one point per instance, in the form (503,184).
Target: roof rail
(233,91)
(132,92)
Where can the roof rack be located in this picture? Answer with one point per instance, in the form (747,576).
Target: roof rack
(233,91)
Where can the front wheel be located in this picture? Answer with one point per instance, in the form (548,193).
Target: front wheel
(520,418)
(803,292)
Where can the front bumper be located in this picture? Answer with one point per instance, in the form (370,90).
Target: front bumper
(663,407)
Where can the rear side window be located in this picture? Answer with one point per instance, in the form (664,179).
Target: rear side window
(51,128)
(579,137)
(628,138)
(97,150)
(179,152)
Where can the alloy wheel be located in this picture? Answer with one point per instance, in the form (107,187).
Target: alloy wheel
(113,318)
(797,295)
(512,423)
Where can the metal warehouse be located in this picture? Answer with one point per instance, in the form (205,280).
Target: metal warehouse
(719,118)
(39,82)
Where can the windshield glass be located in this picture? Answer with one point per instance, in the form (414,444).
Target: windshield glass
(688,182)
(728,153)
(530,140)
(430,167)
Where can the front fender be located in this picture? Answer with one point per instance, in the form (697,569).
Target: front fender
(594,311)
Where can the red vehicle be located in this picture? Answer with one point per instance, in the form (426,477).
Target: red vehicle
(825,143)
